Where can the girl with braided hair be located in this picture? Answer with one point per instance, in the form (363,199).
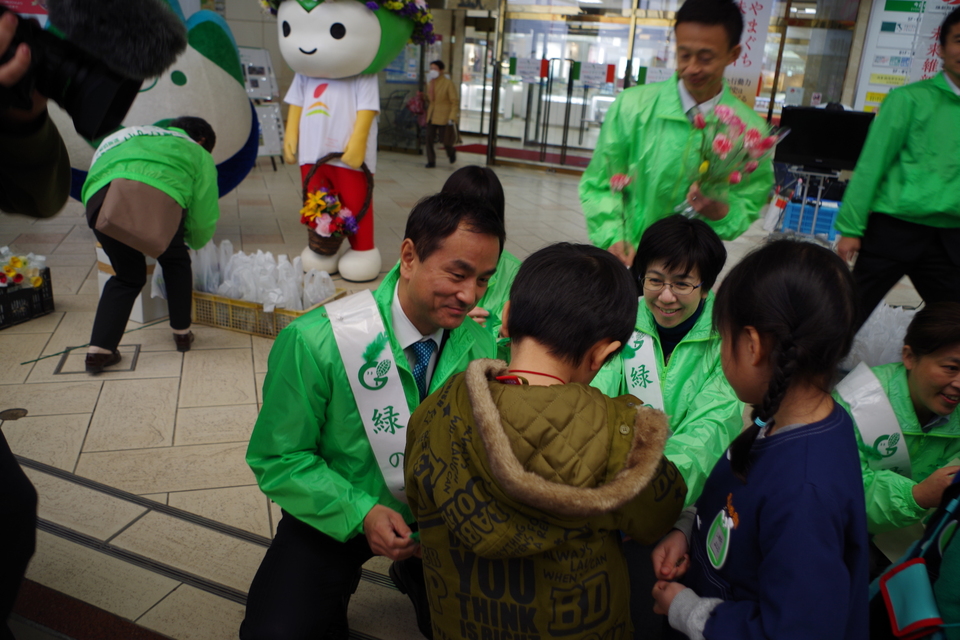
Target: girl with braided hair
(777,546)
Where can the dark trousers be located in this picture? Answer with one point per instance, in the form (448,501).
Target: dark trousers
(892,248)
(647,625)
(122,289)
(303,584)
(18,515)
(445,139)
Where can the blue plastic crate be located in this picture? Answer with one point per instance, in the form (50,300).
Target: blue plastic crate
(826,218)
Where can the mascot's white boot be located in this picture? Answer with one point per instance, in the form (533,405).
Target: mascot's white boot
(360,266)
(310,259)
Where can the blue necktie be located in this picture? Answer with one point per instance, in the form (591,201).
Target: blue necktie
(422,351)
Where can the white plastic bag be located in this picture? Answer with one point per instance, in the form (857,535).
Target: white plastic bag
(287,282)
(206,269)
(880,339)
(158,288)
(317,286)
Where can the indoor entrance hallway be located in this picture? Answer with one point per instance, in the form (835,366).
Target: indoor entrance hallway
(149,513)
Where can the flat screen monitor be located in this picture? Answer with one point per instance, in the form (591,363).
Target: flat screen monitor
(822,140)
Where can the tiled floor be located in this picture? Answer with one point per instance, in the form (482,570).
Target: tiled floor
(149,510)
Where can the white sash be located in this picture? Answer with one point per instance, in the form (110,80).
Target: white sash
(126,133)
(640,370)
(876,421)
(368,360)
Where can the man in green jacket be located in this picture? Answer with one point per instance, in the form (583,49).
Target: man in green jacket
(521,476)
(901,212)
(672,363)
(341,385)
(648,134)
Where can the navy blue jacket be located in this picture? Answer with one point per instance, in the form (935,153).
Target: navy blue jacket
(793,564)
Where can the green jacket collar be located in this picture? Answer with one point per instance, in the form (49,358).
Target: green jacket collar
(457,348)
(893,379)
(673,108)
(941,82)
(702,330)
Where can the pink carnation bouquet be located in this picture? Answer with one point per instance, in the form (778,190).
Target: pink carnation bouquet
(729,153)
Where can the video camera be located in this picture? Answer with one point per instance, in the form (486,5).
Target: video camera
(95,72)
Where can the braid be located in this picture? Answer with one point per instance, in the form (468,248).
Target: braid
(785,367)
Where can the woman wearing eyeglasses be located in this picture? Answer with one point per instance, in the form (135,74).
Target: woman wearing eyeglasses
(673,363)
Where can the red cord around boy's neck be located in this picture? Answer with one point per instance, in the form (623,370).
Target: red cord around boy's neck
(537,373)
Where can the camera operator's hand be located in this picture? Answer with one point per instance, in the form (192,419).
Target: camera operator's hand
(14,69)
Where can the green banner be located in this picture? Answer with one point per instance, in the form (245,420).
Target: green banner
(575,71)
(642,75)
(908,6)
(513,66)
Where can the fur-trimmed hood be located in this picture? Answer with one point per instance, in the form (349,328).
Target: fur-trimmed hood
(518,470)
(649,434)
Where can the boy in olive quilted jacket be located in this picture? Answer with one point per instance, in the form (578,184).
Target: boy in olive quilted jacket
(522,477)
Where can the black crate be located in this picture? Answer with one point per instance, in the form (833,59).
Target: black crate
(19,304)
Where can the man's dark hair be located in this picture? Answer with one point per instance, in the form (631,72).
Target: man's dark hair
(437,217)
(953,18)
(568,297)
(713,12)
(482,182)
(198,129)
(439,64)
(680,243)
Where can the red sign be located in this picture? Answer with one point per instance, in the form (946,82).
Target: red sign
(25,7)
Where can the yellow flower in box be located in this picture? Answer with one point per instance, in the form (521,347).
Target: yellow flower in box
(36,281)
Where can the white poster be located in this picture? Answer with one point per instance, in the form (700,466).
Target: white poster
(271,129)
(745,73)
(901,47)
(260,81)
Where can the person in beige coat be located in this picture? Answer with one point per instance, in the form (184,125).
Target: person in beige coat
(443,112)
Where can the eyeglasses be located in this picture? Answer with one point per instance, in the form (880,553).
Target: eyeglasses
(656,285)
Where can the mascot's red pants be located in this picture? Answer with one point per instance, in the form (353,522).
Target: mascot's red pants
(351,186)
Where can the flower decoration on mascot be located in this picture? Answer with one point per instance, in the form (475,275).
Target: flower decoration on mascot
(336,47)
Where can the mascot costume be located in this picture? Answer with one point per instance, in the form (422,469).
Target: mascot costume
(336,48)
(206,81)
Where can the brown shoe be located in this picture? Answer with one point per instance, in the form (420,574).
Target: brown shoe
(183,341)
(95,362)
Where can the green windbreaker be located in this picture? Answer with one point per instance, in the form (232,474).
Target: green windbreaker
(910,165)
(182,169)
(890,503)
(309,450)
(663,152)
(520,492)
(704,412)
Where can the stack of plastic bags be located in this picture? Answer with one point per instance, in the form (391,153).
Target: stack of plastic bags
(274,283)
(880,339)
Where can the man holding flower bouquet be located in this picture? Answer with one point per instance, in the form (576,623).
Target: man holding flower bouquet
(651,159)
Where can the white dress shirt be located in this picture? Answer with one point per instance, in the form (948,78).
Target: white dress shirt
(407,335)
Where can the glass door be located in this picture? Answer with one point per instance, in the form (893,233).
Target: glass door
(559,74)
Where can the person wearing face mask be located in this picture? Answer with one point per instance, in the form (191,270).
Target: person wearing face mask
(672,363)
(443,112)
(908,428)
(648,134)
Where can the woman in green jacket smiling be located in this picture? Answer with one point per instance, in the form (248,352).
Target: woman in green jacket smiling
(672,363)
(915,402)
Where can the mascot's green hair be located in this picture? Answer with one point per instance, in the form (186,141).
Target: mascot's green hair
(401,21)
